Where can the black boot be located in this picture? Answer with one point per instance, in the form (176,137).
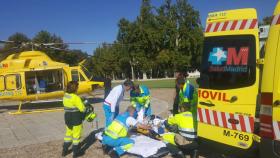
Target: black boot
(194,154)
(65,148)
(179,154)
(113,154)
(106,149)
(77,151)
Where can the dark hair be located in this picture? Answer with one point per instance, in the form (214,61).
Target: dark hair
(181,81)
(72,87)
(182,75)
(128,83)
(185,107)
(136,87)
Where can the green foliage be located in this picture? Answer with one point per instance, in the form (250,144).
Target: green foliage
(17,38)
(160,41)
(161,83)
(59,52)
(266,20)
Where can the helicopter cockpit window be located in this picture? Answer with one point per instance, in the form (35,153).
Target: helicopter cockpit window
(82,78)
(2,83)
(75,75)
(12,82)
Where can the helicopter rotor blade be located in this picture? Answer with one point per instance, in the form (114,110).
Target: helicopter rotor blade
(5,41)
(55,48)
(12,49)
(51,44)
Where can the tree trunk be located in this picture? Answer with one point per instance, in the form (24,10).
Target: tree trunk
(113,75)
(144,75)
(132,71)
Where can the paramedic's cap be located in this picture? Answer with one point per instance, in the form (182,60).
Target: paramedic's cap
(181,81)
(128,83)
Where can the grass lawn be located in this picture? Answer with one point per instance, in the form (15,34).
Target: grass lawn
(162,83)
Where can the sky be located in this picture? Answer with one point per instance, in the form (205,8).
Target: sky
(95,20)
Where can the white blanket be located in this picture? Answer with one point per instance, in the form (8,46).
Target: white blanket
(144,146)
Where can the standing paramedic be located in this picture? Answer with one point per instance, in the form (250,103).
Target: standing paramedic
(188,94)
(112,101)
(116,134)
(141,99)
(74,115)
(179,75)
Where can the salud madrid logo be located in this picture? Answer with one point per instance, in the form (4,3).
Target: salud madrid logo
(228,60)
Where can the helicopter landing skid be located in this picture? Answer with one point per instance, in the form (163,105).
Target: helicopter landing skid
(20,112)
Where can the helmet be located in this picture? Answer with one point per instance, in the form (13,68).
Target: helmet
(90,116)
(89,113)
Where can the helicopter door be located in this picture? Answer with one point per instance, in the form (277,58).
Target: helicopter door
(78,75)
(2,83)
(44,81)
(12,82)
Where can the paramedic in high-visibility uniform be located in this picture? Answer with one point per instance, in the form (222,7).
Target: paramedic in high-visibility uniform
(188,94)
(116,134)
(184,134)
(141,99)
(74,114)
(112,101)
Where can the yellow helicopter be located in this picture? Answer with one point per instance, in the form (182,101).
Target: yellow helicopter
(32,75)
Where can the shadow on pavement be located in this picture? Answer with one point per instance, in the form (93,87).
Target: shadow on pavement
(95,100)
(89,140)
(41,105)
(33,106)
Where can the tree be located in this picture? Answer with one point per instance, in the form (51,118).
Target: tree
(17,39)
(59,51)
(266,20)
(160,41)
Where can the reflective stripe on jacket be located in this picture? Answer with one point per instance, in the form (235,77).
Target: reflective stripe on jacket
(185,123)
(118,128)
(73,103)
(186,95)
(143,98)
(74,110)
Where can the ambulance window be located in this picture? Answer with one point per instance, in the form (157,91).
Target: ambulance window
(228,62)
(75,75)
(2,83)
(12,82)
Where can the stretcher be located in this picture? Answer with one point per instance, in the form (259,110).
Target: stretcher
(144,146)
(147,143)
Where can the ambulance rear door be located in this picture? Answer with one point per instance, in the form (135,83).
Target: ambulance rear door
(276,88)
(229,80)
(270,92)
(276,104)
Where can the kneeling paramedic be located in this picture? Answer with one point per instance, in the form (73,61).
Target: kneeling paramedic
(140,99)
(116,134)
(184,134)
(75,113)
